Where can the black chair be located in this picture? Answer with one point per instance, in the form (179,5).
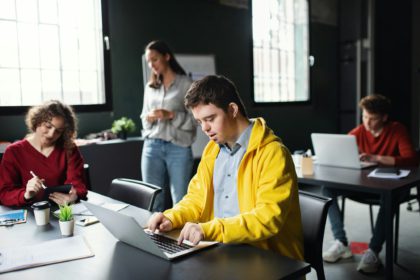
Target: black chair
(314,210)
(134,192)
(86,176)
(372,200)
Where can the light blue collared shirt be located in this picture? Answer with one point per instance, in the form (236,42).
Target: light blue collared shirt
(226,174)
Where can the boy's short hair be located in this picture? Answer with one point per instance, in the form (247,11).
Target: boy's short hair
(376,104)
(217,90)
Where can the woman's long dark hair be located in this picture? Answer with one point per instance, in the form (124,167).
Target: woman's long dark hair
(161,47)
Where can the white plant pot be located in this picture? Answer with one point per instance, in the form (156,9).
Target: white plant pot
(67,227)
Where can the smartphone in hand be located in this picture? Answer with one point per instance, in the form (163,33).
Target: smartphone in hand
(61,188)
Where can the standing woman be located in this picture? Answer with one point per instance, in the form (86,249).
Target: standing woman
(46,157)
(168,127)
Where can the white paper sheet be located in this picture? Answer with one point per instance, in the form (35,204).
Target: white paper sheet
(403,173)
(79,209)
(53,251)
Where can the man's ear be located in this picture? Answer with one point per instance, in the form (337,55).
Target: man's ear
(233,109)
(385,118)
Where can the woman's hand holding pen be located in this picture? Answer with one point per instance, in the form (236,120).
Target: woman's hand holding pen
(33,186)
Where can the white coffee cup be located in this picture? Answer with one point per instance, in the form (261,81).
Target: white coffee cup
(41,212)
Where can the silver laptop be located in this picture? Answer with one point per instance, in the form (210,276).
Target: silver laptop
(126,229)
(338,150)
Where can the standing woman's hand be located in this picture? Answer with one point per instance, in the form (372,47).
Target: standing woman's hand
(151,117)
(33,186)
(163,114)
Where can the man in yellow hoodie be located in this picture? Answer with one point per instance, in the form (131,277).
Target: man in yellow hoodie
(245,189)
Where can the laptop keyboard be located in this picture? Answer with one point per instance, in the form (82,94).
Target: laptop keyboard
(168,245)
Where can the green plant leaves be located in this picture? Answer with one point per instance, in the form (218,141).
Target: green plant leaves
(123,125)
(66,213)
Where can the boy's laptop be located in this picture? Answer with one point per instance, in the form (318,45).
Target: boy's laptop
(126,229)
(338,150)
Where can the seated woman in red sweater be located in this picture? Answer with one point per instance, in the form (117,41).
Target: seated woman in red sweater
(382,141)
(47,156)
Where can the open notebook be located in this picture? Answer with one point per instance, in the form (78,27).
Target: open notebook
(126,229)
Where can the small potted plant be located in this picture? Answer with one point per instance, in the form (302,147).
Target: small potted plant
(123,126)
(66,220)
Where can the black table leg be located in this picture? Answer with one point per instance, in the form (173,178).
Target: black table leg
(389,225)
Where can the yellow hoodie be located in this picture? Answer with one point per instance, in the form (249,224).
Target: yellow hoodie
(267,192)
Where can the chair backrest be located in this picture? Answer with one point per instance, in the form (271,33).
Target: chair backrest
(314,209)
(134,192)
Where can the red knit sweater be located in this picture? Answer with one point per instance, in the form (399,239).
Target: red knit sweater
(57,169)
(393,141)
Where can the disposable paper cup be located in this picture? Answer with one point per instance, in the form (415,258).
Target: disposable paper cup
(41,212)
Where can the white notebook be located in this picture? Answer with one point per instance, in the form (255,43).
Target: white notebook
(48,252)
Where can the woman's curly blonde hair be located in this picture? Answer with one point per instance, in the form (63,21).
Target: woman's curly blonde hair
(37,115)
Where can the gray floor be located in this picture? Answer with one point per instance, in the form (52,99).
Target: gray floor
(358,230)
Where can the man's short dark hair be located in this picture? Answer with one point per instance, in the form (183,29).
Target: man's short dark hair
(217,90)
(376,104)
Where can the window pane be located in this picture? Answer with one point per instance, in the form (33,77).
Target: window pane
(8,44)
(280,38)
(9,87)
(27,10)
(71,87)
(89,87)
(48,11)
(51,49)
(51,84)
(48,37)
(7,9)
(28,45)
(31,87)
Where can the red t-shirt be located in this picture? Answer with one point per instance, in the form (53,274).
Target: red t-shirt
(393,141)
(59,168)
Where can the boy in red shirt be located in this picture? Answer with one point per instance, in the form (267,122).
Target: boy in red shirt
(382,141)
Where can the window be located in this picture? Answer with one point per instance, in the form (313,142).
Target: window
(280,50)
(51,49)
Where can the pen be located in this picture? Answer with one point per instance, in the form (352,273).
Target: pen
(33,175)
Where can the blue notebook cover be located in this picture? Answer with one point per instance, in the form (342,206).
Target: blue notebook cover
(13,217)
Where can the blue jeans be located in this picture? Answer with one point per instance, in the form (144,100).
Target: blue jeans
(163,160)
(334,213)
(337,226)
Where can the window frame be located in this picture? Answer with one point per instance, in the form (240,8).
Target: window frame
(107,106)
(278,103)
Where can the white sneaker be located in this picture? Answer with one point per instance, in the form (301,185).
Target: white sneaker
(370,263)
(337,251)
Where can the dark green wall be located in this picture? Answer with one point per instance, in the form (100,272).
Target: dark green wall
(206,27)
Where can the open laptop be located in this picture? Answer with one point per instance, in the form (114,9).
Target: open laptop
(126,229)
(338,150)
